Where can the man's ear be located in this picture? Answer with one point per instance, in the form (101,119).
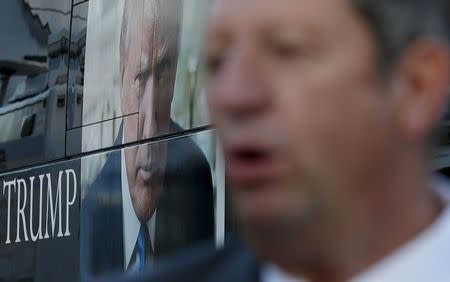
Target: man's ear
(420,85)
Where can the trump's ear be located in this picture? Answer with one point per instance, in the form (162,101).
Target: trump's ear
(420,85)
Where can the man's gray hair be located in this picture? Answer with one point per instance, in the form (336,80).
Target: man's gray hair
(163,16)
(398,23)
(132,8)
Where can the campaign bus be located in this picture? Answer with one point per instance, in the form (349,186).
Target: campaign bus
(108,161)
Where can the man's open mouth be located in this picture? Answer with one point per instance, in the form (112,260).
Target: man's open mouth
(251,165)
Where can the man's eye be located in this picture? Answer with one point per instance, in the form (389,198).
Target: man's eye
(161,68)
(214,63)
(141,75)
(138,77)
(286,51)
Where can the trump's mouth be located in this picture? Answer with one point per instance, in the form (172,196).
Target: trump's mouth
(150,172)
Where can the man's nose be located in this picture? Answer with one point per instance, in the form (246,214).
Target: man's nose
(241,88)
(147,116)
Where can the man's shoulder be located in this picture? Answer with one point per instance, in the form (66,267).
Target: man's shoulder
(105,191)
(184,157)
(204,263)
(182,144)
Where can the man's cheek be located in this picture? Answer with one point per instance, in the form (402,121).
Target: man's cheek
(130,157)
(163,110)
(130,130)
(130,101)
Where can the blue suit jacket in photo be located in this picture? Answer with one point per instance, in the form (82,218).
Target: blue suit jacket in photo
(185,209)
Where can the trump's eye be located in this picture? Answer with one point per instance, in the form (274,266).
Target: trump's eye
(162,67)
(142,75)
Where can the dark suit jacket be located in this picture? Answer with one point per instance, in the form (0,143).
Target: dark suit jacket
(234,263)
(185,209)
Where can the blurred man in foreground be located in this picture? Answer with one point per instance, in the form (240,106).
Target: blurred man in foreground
(326,110)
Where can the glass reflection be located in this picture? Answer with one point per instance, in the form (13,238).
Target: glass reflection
(76,66)
(33,74)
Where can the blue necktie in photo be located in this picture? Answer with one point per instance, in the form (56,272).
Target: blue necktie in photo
(143,246)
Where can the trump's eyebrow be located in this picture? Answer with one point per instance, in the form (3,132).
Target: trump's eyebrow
(144,68)
(165,43)
(145,63)
(161,52)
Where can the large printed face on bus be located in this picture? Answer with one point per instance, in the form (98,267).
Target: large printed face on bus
(148,67)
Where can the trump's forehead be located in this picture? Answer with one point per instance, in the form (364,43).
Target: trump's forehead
(139,13)
(162,13)
(154,23)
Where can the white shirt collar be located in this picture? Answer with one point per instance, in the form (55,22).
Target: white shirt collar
(131,223)
(272,273)
(425,258)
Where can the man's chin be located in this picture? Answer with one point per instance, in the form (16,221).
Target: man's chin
(272,222)
(143,206)
(266,207)
(267,226)
(270,240)
(143,214)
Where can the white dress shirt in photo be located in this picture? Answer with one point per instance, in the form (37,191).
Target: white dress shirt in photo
(131,225)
